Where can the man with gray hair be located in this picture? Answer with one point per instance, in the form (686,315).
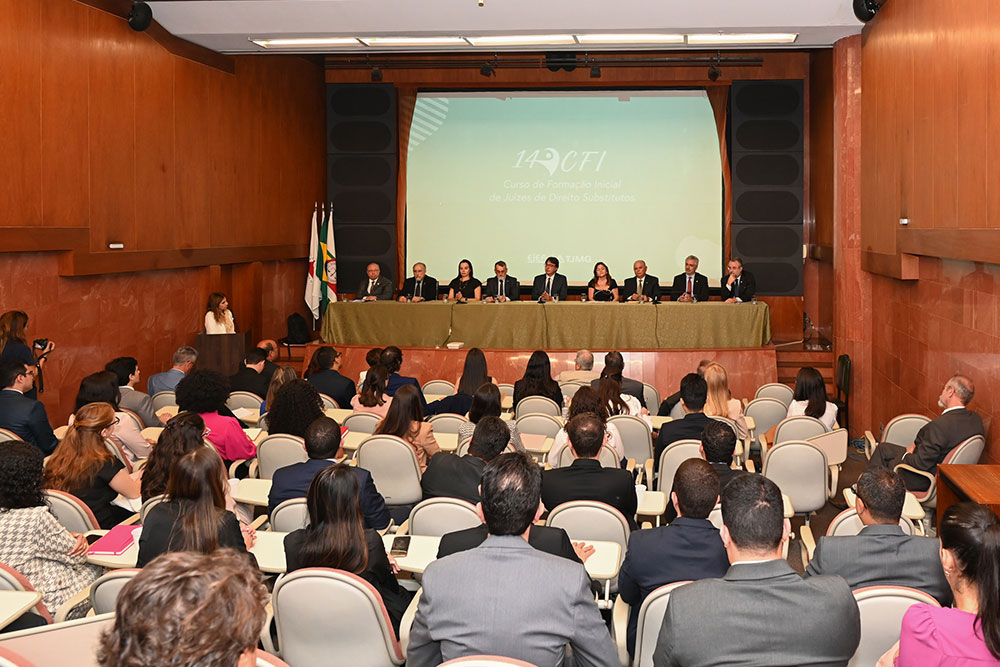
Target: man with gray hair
(183,363)
(583,369)
(933,442)
(690,286)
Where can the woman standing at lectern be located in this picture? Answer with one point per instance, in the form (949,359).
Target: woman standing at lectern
(219,319)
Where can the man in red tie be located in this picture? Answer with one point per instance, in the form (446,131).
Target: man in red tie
(690,286)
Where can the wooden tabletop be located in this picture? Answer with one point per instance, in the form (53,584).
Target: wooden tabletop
(978,483)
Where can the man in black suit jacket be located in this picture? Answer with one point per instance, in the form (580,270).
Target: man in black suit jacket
(501,288)
(933,442)
(270,349)
(452,476)
(694,392)
(324,450)
(328,379)
(375,287)
(688,549)
(737,285)
(642,287)
(420,287)
(250,376)
(23,416)
(586,479)
(550,285)
(690,285)
(614,364)
(718,442)
(882,554)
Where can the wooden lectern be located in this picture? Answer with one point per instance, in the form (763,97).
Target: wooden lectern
(222,352)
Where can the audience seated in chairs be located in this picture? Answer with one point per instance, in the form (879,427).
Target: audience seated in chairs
(583,369)
(103,388)
(83,466)
(454,476)
(406,420)
(694,392)
(282,376)
(392,359)
(487,402)
(810,398)
(296,405)
(882,554)
(614,366)
(322,442)
(585,479)
(537,380)
(183,363)
(193,516)
(336,538)
(324,374)
(188,609)
(250,377)
(783,619)
(373,398)
(688,549)
(25,417)
(474,374)
(718,442)
(668,404)
(182,434)
(617,402)
(969,632)
(719,401)
(205,394)
(504,597)
(584,400)
(32,541)
(126,370)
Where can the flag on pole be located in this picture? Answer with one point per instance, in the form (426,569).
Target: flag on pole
(328,286)
(312,295)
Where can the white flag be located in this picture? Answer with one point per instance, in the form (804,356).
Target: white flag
(312,279)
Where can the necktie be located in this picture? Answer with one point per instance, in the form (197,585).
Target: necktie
(736,288)
(500,283)
(371,286)
(548,285)
(690,288)
(640,286)
(420,288)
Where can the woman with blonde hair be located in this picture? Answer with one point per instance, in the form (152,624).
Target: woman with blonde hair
(83,466)
(219,319)
(282,376)
(720,401)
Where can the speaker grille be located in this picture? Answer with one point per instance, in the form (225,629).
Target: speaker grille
(768,99)
(360,100)
(360,137)
(769,135)
(366,240)
(363,206)
(771,241)
(361,170)
(768,206)
(758,169)
(775,277)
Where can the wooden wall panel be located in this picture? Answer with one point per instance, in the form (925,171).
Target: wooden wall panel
(155,174)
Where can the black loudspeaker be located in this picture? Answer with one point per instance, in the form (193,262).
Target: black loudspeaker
(361,169)
(766,142)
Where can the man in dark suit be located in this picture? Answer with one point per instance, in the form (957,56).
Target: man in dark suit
(23,416)
(737,285)
(694,392)
(501,288)
(324,450)
(550,285)
(420,287)
(392,359)
(642,287)
(375,287)
(688,549)
(690,286)
(270,348)
(784,619)
(614,364)
(328,379)
(933,442)
(586,479)
(454,476)
(249,377)
(882,554)
(718,442)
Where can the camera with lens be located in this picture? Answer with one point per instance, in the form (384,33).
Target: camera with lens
(40,343)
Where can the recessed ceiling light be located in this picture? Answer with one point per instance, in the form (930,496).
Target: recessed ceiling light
(305,42)
(520,40)
(630,38)
(743,38)
(412,41)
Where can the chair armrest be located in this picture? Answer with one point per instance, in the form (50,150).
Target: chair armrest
(646,524)
(265,632)
(66,606)
(762,439)
(750,466)
(389,528)
(870,443)
(746,402)
(808,542)
(923,473)
(834,478)
(630,466)
(254,470)
(259,521)
(404,528)
(134,519)
(233,466)
(406,622)
(619,629)
(648,474)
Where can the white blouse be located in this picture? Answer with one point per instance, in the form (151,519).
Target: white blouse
(829,417)
(213,327)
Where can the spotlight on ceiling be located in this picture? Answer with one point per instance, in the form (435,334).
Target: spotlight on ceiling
(140,16)
(376,74)
(487,70)
(595,72)
(714,73)
(866,10)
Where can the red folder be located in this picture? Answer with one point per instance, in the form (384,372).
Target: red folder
(115,542)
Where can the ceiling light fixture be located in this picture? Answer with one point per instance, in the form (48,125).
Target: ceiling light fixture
(305,42)
(630,38)
(520,40)
(723,38)
(413,41)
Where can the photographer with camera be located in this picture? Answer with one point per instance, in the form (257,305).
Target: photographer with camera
(14,345)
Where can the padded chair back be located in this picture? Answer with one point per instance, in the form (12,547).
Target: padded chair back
(506,389)
(800,470)
(650,396)
(671,458)
(438,387)
(328,402)
(569,389)
(882,609)
(262,423)
(463,446)
(394,468)
(105,591)
(677,412)
(728,422)
(290,515)
(486,661)
(715,516)
(6,435)
(766,412)
(148,505)
(848,523)
(277,451)
(607,456)
(134,417)
(69,644)
(650,619)
(537,404)
(439,516)
(361,422)
(353,630)
(244,399)
(71,512)
(12,580)
(447,423)
(118,452)
(637,439)
(782,392)
(902,429)
(799,427)
(967,452)
(591,520)
(162,399)
(539,424)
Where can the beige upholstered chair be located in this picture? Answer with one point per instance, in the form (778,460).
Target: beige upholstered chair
(71,512)
(105,591)
(361,422)
(439,387)
(848,523)
(607,456)
(148,505)
(162,399)
(12,580)
(801,471)
(766,412)
(69,644)
(637,438)
(591,520)
(834,445)
(799,427)
(671,458)
(539,424)
(447,423)
(570,388)
(277,451)
(289,515)
(648,627)
(901,430)
(394,468)
(537,404)
(782,392)
(439,516)
(966,453)
(882,609)
(329,403)
(651,396)
(244,399)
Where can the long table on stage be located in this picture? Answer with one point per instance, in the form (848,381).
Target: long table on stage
(570,325)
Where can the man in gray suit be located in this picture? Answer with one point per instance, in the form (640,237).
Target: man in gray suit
(882,554)
(376,287)
(504,597)
(126,369)
(782,618)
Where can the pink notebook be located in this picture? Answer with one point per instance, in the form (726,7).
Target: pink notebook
(115,542)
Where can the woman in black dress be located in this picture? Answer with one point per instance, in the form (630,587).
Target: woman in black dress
(465,287)
(602,286)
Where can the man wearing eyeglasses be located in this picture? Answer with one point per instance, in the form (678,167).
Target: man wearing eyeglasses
(23,416)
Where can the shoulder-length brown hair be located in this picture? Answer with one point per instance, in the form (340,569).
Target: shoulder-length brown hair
(214,299)
(196,484)
(82,453)
(405,413)
(12,324)
(182,434)
(336,534)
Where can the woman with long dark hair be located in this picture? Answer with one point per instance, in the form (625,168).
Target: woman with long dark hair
(193,516)
(587,399)
(406,420)
(465,286)
(219,319)
(486,403)
(372,397)
(14,343)
(295,405)
(810,398)
(83,466)
(336,538)
(602,287)
(474,373)
(537,380)
(182,434)
(103,388)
